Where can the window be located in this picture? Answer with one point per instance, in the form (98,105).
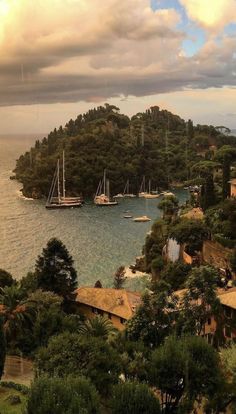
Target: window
(94,310)
(122,320)
(109,315)
(208,321)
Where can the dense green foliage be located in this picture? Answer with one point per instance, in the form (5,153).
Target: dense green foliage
(73,353)
(189,232)
(153,320)
(155,143)
(130,398)
(222,222)
(6,279)
(67,396)
(184,369)
(176,274)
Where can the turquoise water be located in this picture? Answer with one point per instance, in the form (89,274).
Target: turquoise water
(99,238)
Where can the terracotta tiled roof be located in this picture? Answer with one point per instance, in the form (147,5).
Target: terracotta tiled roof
(118,302)
(228,297)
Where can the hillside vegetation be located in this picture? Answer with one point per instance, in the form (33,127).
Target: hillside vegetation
(156,143)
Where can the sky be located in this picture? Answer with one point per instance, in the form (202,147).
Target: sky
(58,58)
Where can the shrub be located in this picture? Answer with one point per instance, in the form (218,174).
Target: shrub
(130,398)
(63,396)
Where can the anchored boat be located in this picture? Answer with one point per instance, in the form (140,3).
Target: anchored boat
(59,201)
(102,197)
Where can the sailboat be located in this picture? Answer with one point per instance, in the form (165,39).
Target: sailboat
(150,193)
(142,190)
(61,201)
(126,193)
(102,197)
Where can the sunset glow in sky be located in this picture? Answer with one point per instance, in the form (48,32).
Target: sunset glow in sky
(59,58)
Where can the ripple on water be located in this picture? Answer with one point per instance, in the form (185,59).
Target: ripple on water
(99,239)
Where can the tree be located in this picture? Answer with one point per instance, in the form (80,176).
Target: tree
(98,284)
(190,232)
(54,270)
(15,312)
(2,349)
(119,278)
(154,243)
(6,279)
(190,130)
(183,370)
(157,266)
(176,274)
(90,356)
(98,327)
(153,320)
(29,283)
(169,205)
(130,398)
(226,155)
(205,170)
(233,261)
(200,302)
(63,396)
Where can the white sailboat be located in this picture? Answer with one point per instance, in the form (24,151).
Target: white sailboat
(150,193)
(127,193)
(142,190)
(102,197)
(61,201)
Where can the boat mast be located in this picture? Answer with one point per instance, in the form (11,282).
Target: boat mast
(63,175)
(58,181)
(108,189)
(104,182)
(149,185)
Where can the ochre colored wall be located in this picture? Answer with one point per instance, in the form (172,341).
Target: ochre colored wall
(233,190)
(88,313)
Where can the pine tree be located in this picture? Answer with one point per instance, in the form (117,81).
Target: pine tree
(54,270)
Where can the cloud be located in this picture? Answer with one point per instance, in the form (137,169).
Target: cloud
(211,14)
(87,50)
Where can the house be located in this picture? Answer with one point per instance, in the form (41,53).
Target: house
(118,305)
(227,318)
(233,187)
(228,303)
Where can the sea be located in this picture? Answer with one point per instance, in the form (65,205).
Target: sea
(99,239)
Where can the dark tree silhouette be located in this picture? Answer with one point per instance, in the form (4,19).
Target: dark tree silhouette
(54,270)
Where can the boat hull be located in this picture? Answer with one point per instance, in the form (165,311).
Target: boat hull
(62,206)
(108,204)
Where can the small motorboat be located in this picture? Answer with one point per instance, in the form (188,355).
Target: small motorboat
(141,219)
(127,216)
(118,196)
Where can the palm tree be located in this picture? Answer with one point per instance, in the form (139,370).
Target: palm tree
(14,311)
(99,327)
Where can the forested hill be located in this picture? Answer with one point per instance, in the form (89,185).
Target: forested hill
(156,143)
